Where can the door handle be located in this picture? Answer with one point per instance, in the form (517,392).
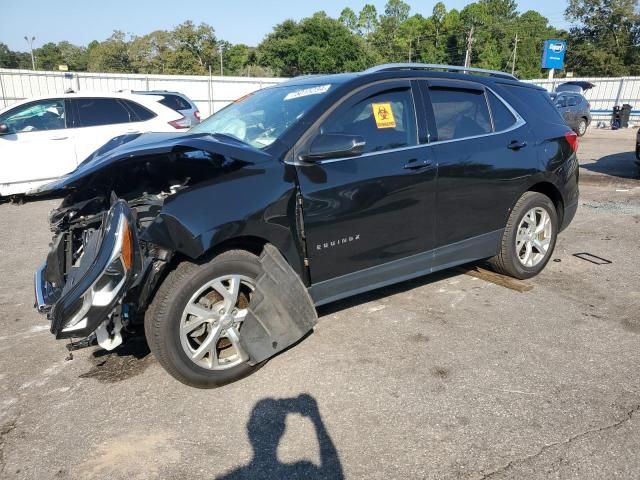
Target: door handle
(416,164)
(58,138)
(516,145)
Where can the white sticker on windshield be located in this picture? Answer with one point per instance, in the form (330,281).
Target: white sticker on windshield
(307,91)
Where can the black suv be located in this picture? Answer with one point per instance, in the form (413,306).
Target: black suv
(224,239)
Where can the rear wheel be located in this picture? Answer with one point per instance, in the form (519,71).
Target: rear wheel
(194,323)
(529,237)
(582,127)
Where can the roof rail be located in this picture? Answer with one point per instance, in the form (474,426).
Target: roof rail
(446,68)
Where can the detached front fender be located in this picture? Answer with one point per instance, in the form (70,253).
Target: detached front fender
(256,201)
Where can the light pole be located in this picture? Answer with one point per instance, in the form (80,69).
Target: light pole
(30,43)
(221,48)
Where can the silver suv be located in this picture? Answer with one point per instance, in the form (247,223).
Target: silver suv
(176,101)
(575,110)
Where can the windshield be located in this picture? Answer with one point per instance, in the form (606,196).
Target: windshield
(260,118)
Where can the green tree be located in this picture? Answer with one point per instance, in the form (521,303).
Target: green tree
(152,53)
(368,19)
(73,56)
(48,57)
(385,38)
(8,58)
(112,55)
(236,59)
(196,47)
(397,11)
(349,19)
(604,36)
(317,44)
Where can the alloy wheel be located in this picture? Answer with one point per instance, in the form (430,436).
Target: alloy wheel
(582,127)
(533,237)
(211,322)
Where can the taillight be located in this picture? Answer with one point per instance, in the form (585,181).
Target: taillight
(197,114)
(572,139)
(183,122)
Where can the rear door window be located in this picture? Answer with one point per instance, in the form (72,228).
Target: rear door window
(93,112)
(459,113)
(385,120)
(175,102)
(501,115)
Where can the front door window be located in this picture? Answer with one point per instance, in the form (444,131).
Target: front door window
(36,117)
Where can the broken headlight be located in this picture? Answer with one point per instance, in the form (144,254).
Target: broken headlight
(108,265)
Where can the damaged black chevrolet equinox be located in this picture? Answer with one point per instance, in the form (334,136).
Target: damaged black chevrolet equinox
(223,240)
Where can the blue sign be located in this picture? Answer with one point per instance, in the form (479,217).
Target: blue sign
(553,54)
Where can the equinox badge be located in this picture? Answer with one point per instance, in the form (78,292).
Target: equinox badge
(335,243)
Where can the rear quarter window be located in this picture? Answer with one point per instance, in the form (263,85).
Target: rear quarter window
(502,116)
(141,113)
(175,102)
(532,103)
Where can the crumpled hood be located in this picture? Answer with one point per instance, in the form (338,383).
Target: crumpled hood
(126,147)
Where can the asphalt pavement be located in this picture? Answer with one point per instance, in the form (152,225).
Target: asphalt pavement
(445,377)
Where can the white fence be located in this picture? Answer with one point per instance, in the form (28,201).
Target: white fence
(213,93)
(607,93)
(209,93)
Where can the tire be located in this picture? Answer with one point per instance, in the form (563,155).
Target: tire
(509,259)
(167,317)
(581,129)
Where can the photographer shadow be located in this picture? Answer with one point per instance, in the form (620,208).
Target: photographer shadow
(265,428)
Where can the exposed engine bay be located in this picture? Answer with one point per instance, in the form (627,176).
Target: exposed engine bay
(81,221)
(143,210)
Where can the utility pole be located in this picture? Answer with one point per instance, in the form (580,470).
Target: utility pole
(221,69)
(515,52)
(467,56)
(417,40)
(30,43)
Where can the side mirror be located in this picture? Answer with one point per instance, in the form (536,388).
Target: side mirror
(4,128)
(334,145)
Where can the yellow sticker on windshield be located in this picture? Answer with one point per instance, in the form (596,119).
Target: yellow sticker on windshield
(383,114)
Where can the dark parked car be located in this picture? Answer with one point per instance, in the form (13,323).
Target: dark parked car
(226,238)
(575,110)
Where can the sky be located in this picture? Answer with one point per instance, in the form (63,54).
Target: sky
(236,21)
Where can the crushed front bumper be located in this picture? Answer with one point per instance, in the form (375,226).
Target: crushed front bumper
(93,287)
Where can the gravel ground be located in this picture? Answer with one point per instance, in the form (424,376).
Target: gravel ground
(444,377)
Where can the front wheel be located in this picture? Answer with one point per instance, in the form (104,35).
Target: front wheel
(194,323)
(529,237)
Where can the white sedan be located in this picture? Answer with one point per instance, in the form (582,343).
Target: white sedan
(44,138)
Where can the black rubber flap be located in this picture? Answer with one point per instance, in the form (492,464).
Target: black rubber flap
(281,311)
